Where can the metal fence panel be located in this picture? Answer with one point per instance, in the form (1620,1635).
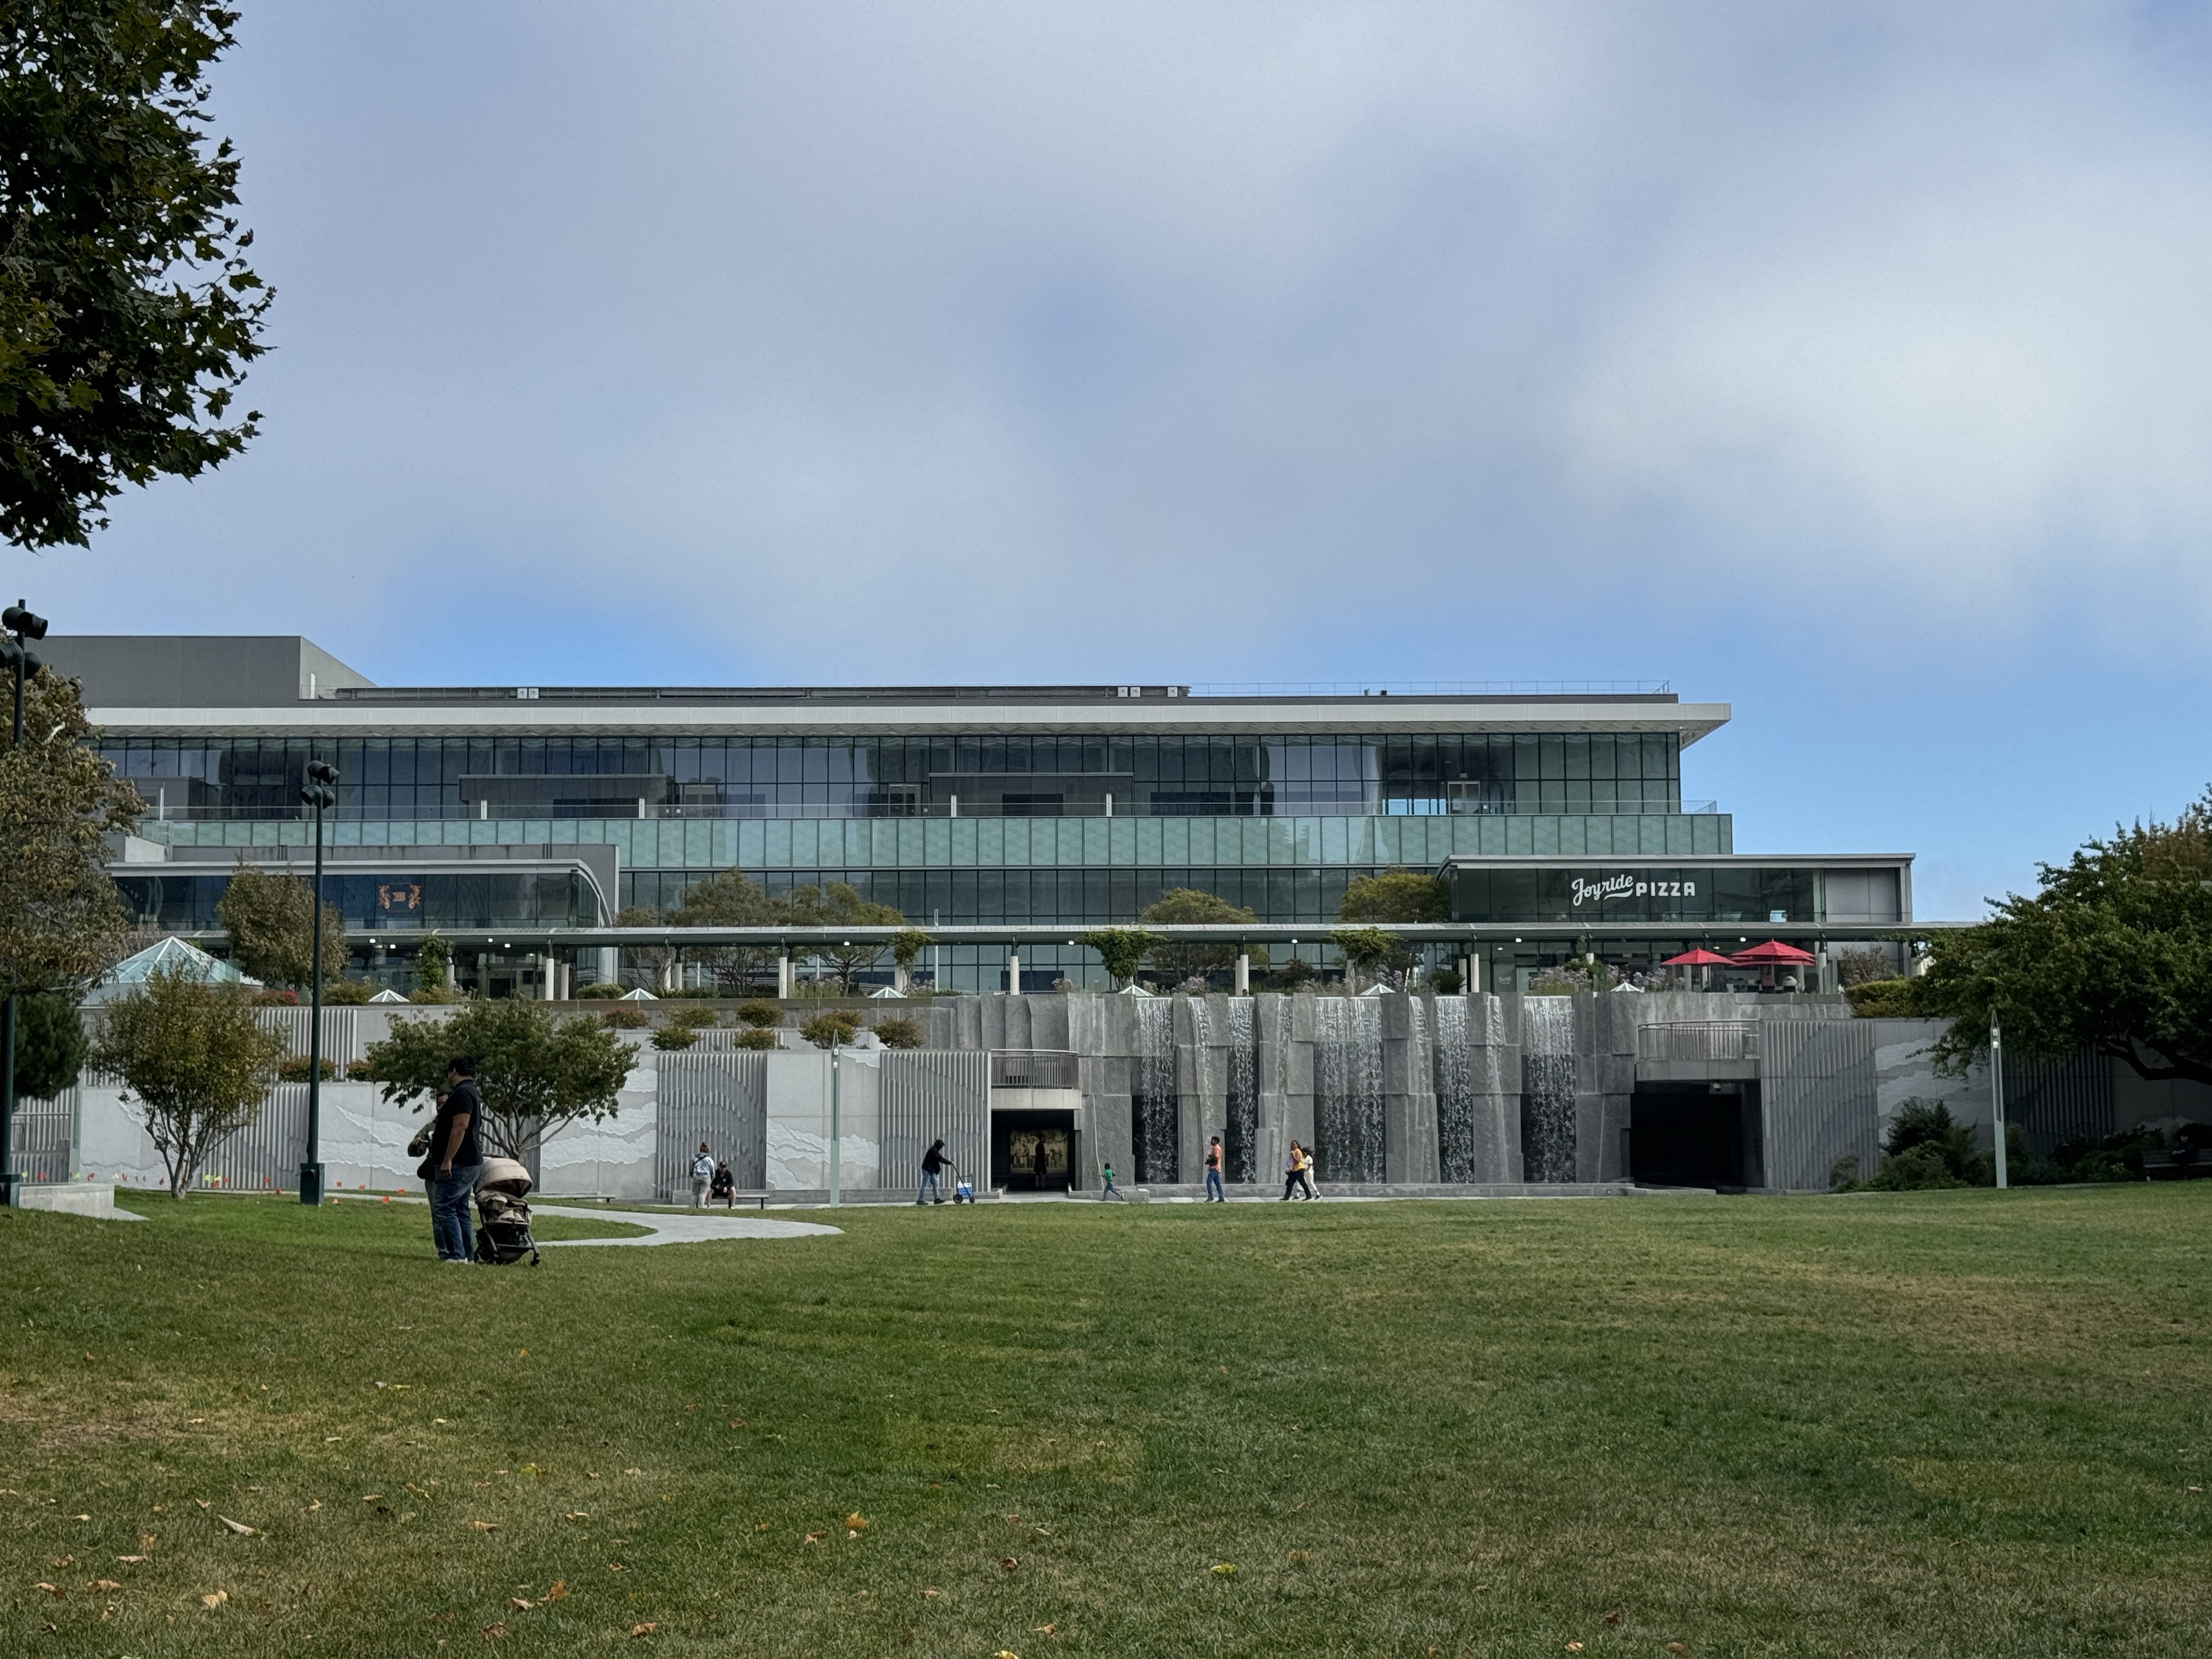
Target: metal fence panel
(2058,1101)
(264,1156)
(720,1097)
(1707,1039)
(1818,1100)
(1033,1068)
(45,1134)
(927,1095)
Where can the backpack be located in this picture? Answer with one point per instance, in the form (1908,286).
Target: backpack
(702,1168)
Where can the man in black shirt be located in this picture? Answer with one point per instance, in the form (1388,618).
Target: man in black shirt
(455,1160)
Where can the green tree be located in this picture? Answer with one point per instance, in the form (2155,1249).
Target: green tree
(61,921)
(1122,950)
(839,904)
(537,1074)
(906,950)
(1367,951)
(1186,906)
(655,959)
(2113,952)
(50,1045)
(128,312)
(434,971)
(899,1032)
(730,899)
(271,923)
(194,1061)
(1395,896)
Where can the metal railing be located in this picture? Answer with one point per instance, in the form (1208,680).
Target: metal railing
(1038,1068)
(1709,1039)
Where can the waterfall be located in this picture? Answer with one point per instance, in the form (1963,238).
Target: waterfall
(1240,1136)
(1155,1115)
(1348,1143)
(1455,1100)
(1548,1089)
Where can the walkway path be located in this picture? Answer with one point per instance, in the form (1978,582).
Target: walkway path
(679,1228)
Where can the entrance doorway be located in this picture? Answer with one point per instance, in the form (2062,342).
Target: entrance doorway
(1033,1151)
(1696,1134)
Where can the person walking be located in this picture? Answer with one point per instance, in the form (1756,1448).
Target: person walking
(932,1165)
(1293,1167)
(1306,1173)
(454,1161)
(702,1176)
(1214,1195)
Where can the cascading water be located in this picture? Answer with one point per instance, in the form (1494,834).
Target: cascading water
(1348,1142)
(1548,1089)
(1455,1085)
(1240,1137)
(1155,1111)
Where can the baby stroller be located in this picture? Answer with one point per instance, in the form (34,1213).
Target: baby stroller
(503,1213)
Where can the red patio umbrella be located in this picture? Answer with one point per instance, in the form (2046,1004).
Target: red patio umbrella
(1767,955)
(1699,957)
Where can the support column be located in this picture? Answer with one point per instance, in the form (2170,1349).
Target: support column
(783,973)
(1470,973)
(1013,968)
(609,964)
(1244,971)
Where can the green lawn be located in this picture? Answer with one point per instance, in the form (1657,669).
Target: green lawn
(1959,1424)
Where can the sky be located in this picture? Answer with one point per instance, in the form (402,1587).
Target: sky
(1851,365)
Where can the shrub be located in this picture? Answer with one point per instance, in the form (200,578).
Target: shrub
(268,998)
(1296,972)
(1446,981)
(830,1027)
(293,1069)
(753,1038)
(761,1016)
(601,992)
(699,1019)
(899,1032)
(1864,966)
(358,1071)
(1920,1168)
(675,1037)
(625,1016)
(1885,998)
(345,992)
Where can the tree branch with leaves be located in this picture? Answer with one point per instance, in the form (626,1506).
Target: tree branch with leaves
(537,1074)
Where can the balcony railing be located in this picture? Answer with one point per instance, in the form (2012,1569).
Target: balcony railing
(1711,1039)
(1033,1068)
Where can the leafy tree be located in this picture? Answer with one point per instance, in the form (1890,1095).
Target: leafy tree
(1188,905)
(906,950)
(730,899)
(899,1032)
(839,904)
(537,1074)
(128,312)
(1395,896)
(61,921)
(271,923)
(434,971)
(50,1045)
(1863,967)
(2113,952)
(1368,951)
(832,1027)
(761,1016)
(198,1062)
(1122,950)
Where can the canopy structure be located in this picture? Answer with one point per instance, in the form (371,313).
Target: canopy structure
(1773,953)
(387,995)
(640,994)
(170,955)
(1701,957)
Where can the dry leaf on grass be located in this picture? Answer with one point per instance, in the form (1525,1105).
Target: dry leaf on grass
(1224,1569)
(238,1527)
(494,1631)
(49,1588)
(761,1527)
(1008,1562)
(1574,1647)
(1053,1629)
(559,1592)
(216,1600)
(928,1593)
(103,1585)
(521,1605)
(856,1521)
(646,1629)
(814,1538)
(484,1526)
(1678,1647)
(577,1515)
(1610,1619)
(62,1561)
(130,1561)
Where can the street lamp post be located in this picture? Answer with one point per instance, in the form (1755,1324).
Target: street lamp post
(18,621)
(321,793)
(835,1126)
(1996,1091)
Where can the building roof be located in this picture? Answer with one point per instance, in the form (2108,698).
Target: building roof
(169,955)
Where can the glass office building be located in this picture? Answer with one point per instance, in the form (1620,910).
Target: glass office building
(1059,805)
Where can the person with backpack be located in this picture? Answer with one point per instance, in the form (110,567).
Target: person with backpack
(933,1165)
(1213,1191)
(702,1176)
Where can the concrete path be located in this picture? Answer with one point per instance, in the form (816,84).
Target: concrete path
(679,1228)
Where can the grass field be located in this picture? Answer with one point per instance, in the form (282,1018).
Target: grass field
(1943,1423)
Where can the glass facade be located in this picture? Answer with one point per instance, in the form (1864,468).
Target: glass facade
(387,902)
(977,776)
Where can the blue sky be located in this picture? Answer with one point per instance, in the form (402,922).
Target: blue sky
(1850,366)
